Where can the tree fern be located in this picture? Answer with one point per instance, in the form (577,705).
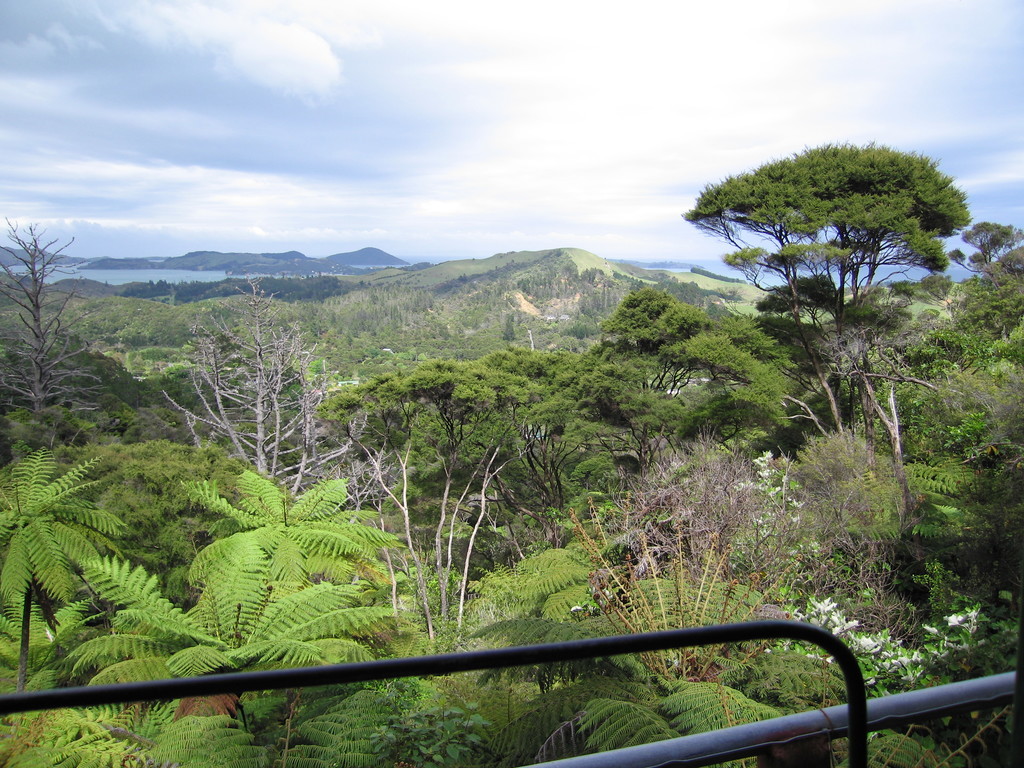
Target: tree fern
(703,707)
(896,750)
(217,741)
(536,631)
(614,724)
(297,538)
(46,527)
(344,733)
(792,682)
(240,621)
(531,721)
(67,738)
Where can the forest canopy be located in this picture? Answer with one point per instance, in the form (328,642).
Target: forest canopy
(540,447)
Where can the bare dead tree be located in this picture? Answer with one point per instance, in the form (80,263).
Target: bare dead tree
(256,391)
(39,364)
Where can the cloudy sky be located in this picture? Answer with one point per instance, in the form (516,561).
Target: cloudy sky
(454,129)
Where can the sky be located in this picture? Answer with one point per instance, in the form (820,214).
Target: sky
(457,129)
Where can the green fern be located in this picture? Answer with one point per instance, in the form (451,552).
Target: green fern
(344,733)
(310,535)
(791,682)
(537,631)
(213,741)
(896,750)
(67,738)
(46,527)
(703,707)
(531,722)
(615,724)
(945,479)
(549,583)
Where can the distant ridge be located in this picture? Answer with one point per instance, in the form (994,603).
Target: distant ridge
(285,263)
(367,257)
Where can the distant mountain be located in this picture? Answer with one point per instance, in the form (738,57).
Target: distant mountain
(290,261)
(367,257)
(286,263)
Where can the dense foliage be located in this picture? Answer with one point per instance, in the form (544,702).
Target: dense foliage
(540,448)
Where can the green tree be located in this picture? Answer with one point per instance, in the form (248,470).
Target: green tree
(991,304)
(727,371)
(47,528)
(820,232)
(434,441)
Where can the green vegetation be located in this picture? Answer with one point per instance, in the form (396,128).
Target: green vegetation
(539,446)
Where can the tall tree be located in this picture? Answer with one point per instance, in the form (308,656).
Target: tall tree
(820,232)
(40,351)
(46,528)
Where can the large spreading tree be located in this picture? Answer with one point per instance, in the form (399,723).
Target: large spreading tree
(821,232)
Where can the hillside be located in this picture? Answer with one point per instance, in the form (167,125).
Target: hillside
(390,318)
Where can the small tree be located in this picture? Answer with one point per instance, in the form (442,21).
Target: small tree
(39,360)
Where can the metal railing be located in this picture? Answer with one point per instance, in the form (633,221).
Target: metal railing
(855,710)
(781,733)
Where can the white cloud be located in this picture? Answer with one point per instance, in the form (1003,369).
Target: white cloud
(260,44)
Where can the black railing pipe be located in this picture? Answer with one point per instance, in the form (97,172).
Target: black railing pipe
(499,658)
(752,739)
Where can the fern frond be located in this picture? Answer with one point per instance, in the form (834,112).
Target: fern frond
(105,650)
(346,622)
(281,653)
(261,498)
(216,741)
(204,494)
(561,603)
(236,590)
(287,558)
(142,603)
(338,650)
(943,479)
(343,540)
(614,724)
(199,660)
(896,750)
(66,738)
(16,575)
(703,707)
(530,721)
(132,670)
(790,681)
(48,559)
(325,499)
(290,610)
(345,734)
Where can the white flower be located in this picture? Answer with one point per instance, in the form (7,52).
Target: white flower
(930,630)
(955,620)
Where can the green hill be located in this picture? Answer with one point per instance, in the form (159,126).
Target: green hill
(393,317)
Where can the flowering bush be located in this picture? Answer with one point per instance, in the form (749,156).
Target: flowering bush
(964,646)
